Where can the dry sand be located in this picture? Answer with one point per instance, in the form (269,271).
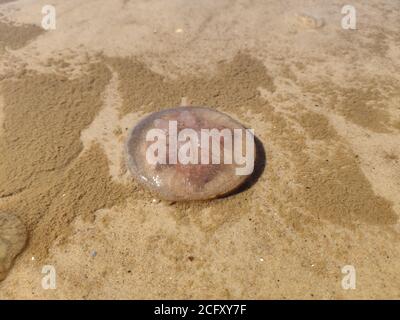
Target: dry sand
(323,101)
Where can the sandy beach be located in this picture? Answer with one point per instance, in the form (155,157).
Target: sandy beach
(324,103)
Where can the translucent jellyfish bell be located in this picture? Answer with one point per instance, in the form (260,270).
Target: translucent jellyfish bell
(170,176)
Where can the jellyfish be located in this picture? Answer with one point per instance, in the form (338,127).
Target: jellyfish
(194,151)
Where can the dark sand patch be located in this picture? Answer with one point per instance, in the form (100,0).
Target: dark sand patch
(331,185)
(82,190)
(42,179)
(364,107)
(335,189)
(396,125)
(317,126)
(44,115)
(363,104)
(234,85)
(17,36)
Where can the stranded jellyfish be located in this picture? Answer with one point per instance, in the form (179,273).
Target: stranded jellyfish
(12,241)
(190,153)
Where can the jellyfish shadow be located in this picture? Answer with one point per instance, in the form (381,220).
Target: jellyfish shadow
(260,162)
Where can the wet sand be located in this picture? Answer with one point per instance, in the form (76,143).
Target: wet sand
(323,102)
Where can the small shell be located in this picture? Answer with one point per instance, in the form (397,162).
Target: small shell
(309,22)
(13,237)
(177,182)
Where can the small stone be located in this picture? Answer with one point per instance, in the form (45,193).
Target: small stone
(309,22)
